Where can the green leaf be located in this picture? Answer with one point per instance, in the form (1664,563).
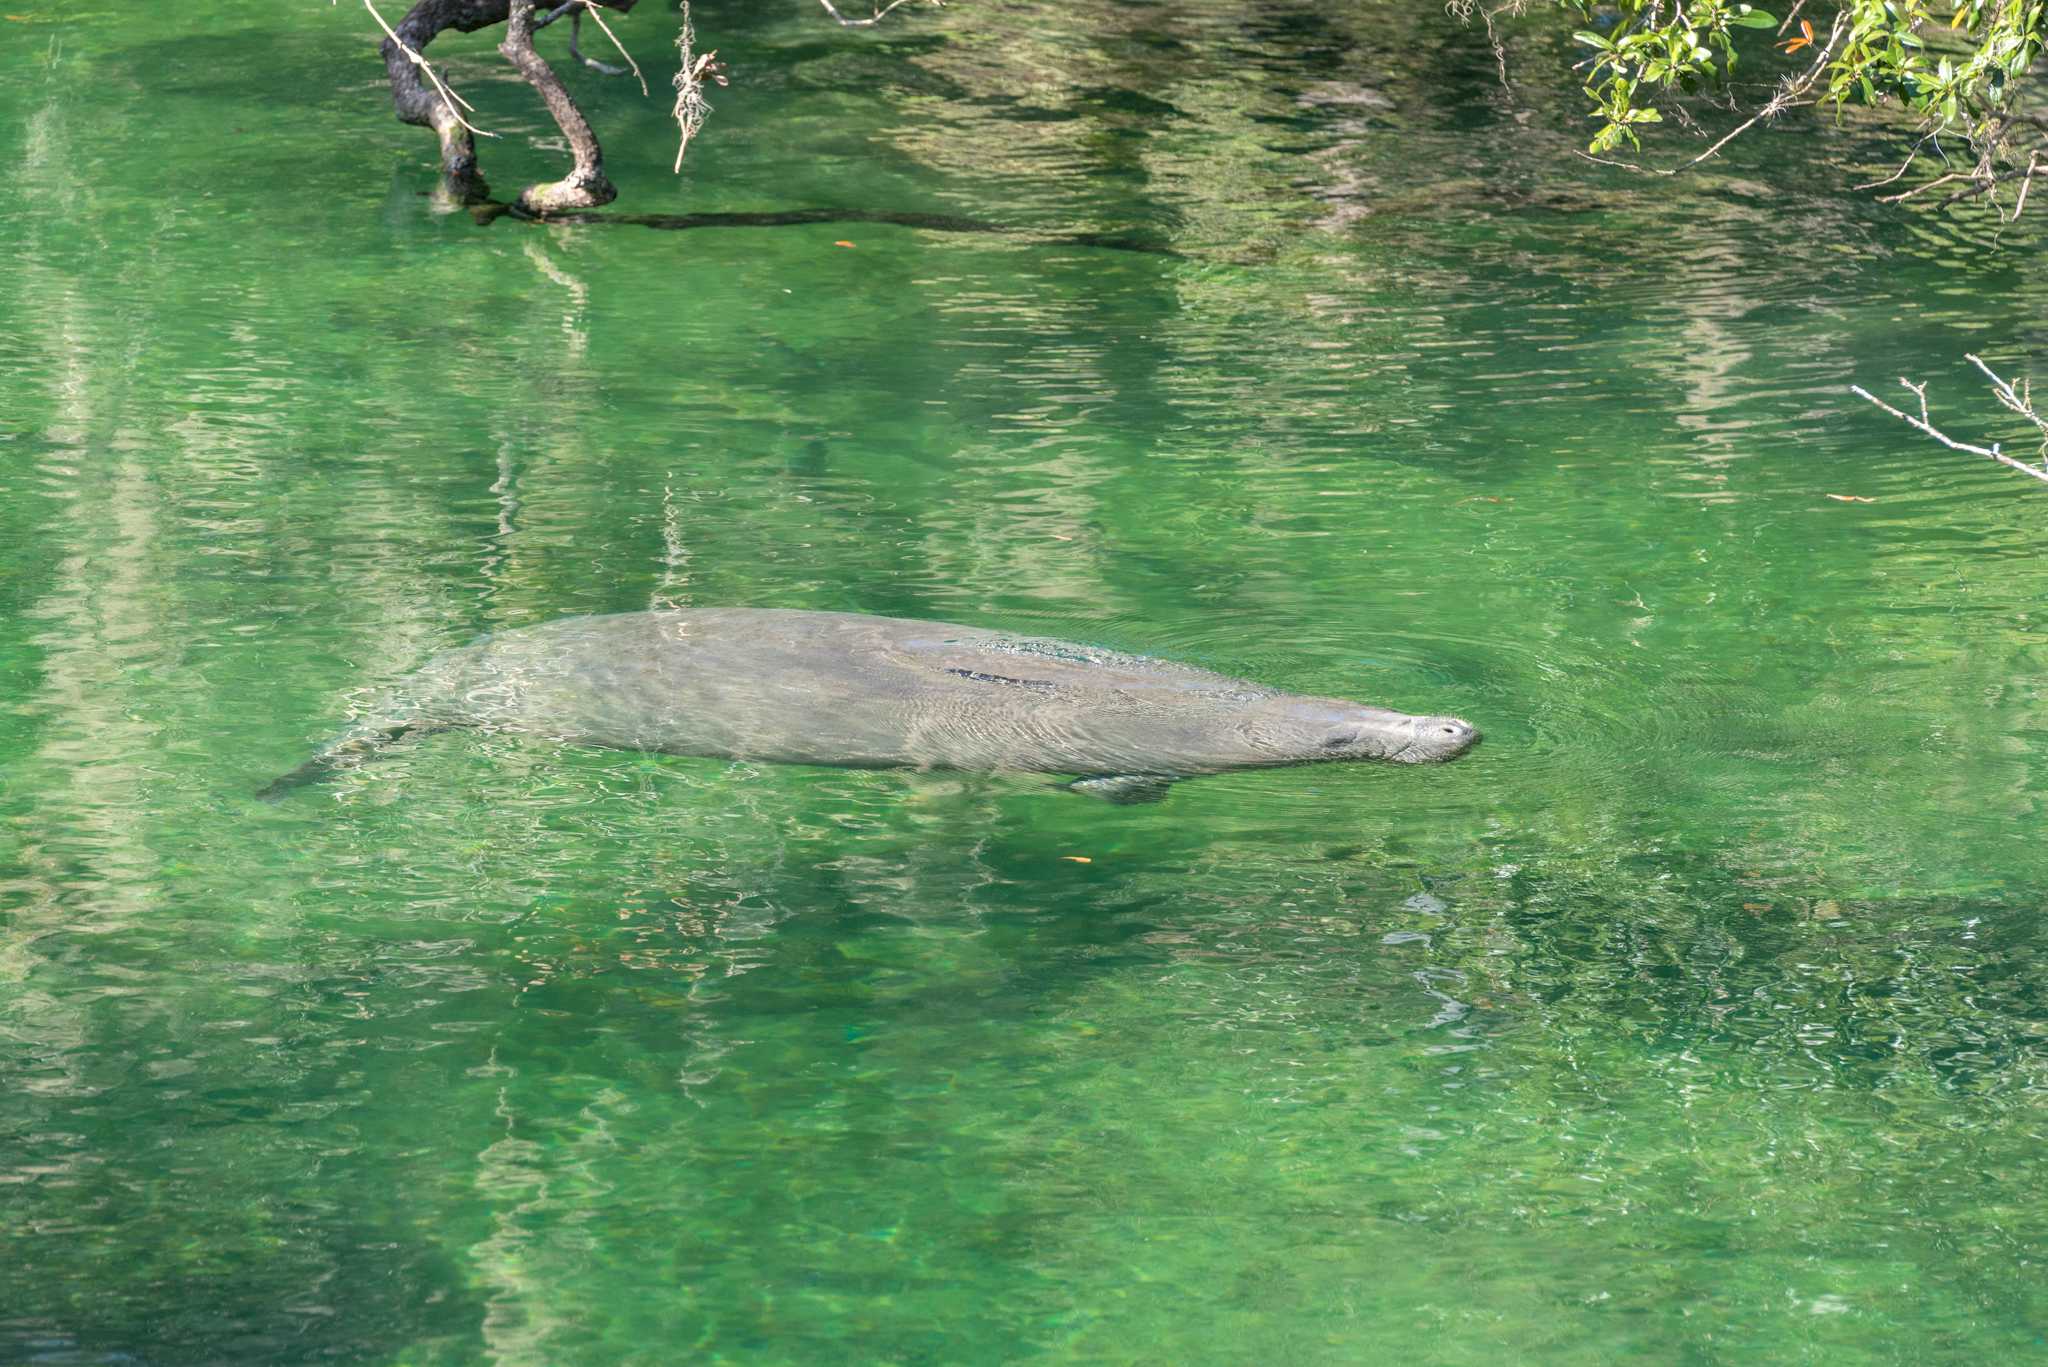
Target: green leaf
(1754,18)
(1593,40)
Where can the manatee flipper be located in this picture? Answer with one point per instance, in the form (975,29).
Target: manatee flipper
(1124,789)
(352,751)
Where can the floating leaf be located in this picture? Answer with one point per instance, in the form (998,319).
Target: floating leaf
(1851,498)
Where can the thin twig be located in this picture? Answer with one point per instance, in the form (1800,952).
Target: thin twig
(423,64)
(1983,184)
(1904,166)
(880,11)
(2033,164)
(2020,401)
(592,7)
(1938,180)
(1987,183)
(1981,178)
(576,50)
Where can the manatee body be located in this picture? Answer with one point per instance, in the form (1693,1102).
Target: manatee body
(854,691)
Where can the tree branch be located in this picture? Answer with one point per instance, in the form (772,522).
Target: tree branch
(427,69)
(419,95)
(1984,181)
(2019,400)
(566,7)
(1787,96)
(575,27)
(1904,166)
(2033,164)
(585,186)
(1925,186)
(880,11)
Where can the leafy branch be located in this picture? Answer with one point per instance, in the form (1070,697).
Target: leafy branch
(1649,52)
(1962,68)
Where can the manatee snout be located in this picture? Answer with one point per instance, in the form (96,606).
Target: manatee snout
(1438,739)
(1396,737)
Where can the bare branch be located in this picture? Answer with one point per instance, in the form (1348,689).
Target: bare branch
(881,10)
(2033,164)
(1983,178)
(1920,393)
(1938,180)
(1983,182)
(1904,166)
(2019,401)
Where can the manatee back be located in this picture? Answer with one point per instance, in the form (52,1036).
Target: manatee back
(844,689)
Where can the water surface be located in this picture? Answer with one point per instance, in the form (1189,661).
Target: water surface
(1698,1016)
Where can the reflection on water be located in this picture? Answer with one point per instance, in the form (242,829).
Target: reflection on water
(1699,1011)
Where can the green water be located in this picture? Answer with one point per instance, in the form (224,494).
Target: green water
(1698,1016)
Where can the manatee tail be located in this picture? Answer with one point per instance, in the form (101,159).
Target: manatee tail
(351,751)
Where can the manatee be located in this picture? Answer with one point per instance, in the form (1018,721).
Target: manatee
(860,692)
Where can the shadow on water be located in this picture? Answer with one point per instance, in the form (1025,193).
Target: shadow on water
(486,212)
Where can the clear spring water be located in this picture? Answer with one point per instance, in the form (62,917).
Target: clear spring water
(1698,1016)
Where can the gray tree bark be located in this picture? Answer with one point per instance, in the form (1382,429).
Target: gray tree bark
(585,187)
(417,102)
